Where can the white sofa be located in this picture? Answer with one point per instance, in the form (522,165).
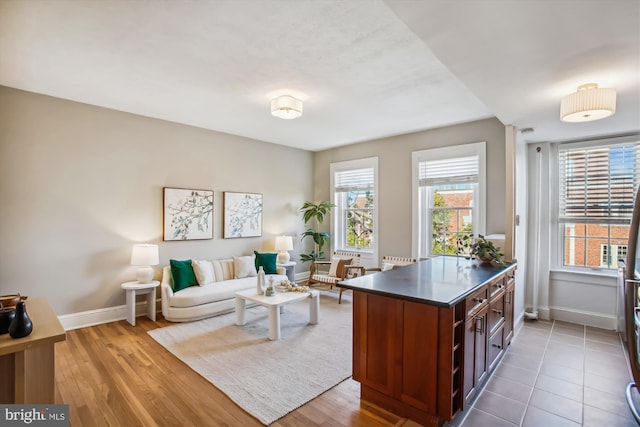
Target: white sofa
(199,302)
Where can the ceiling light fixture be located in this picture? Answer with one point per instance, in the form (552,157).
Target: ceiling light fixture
(587,104)
(286,107)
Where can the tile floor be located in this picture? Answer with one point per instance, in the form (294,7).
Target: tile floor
(556,374)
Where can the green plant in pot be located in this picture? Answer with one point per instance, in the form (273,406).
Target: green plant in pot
(315,213)
(482,249)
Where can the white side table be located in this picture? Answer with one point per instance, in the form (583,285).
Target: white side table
(290,268)
(136,288)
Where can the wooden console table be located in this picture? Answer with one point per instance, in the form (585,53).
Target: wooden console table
(426,336)
(28,364)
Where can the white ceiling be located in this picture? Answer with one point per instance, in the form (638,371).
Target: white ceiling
(365,69)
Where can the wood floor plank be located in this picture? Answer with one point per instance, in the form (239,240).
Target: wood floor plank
(117,375)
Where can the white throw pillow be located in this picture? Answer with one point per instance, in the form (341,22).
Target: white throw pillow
(244,266)
(203,271)
(333,269)
(387,266)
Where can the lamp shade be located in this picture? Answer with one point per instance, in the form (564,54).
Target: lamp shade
(144,255)
(587,104)
(284,243)
(286,107)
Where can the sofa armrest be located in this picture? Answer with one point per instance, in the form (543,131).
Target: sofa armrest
(166,292)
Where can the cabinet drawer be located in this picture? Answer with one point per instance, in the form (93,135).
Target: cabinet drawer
(496,312)
(496,285)
(476,301)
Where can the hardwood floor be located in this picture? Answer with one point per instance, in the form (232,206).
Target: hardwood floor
(117,375)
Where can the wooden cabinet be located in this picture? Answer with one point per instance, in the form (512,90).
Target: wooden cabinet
(508,304)
(406,354)
(427,361)
(475,341)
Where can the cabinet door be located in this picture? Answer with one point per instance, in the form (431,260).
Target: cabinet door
(475,352)
(508,309)
(469,358)
(377,334)
(482,320)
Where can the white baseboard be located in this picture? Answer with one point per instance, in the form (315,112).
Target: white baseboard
(598,320)
(99,316)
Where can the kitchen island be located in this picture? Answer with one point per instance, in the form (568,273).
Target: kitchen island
(426,336)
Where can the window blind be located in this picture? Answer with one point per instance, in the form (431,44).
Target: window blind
(455,170)
(598,184)
(354,180)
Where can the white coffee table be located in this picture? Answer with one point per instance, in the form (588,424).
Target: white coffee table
(276,304)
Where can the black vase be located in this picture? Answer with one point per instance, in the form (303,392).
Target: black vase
(21,325)
(7,314)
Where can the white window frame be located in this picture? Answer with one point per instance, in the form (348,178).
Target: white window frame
(421,225)
(368,257)
(557,237)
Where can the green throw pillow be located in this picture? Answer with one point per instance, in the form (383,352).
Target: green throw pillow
(182,274)
(267,261)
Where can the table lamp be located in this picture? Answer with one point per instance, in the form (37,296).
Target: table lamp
(144,256)
(283,244)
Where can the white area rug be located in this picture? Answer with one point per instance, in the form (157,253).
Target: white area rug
(267,378)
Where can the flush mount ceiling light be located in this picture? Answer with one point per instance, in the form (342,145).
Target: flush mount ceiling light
(588,103)
(286,107)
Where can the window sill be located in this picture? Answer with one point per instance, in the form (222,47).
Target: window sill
(599,277)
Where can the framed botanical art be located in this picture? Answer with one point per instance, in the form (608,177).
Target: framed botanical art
(187,214)
(242,215)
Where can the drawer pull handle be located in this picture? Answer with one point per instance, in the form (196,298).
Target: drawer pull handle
(498,312)
(480,300)
(480,320)
(496,346)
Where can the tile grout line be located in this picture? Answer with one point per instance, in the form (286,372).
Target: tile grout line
(533,388)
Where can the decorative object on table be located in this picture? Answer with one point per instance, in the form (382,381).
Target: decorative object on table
(270,291)
(7,315)
(11,300)
(144,256)
(316,212)
(283,245)
(289,286)
(482,249)
(242,215)
(21,325)
(188,214)
(261,281)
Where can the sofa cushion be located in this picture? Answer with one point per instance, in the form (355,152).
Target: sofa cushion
(244,266)
(182,274)
(267,261)
(223,269)
(203,271)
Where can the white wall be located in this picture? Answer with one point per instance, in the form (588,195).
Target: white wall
(80,184)
(394,175)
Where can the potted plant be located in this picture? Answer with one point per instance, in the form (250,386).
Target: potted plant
(315,212)
(481,248)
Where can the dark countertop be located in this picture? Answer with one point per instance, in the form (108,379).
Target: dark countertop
(441,281)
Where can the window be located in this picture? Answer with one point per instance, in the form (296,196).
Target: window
(449,195)
(597,185)
(354,188)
